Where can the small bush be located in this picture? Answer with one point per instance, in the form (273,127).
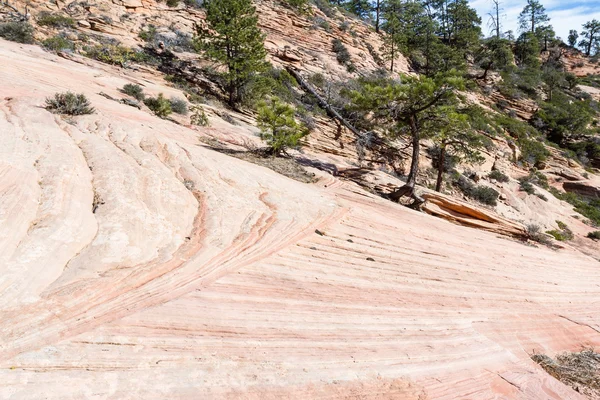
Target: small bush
(115,54)
(69,103)
(341,51)
(20,32)
(135,91)
(563,233)
(482,194)
(57,43)
(498,176)
(55,20)
(159,105)
(198,116)
(594,235)
(325,7)
(526,187)
(589,208)
(535,233)
(179,106)
(148,35)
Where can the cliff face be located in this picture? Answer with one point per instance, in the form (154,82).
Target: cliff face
(137,262)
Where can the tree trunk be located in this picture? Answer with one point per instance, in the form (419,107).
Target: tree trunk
(497,19)
(393,55)
(486,71)
(377,12)
(409,188)
(441,160)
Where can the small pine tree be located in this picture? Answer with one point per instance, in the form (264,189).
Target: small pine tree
(573,37)
(278,126)
(232,37)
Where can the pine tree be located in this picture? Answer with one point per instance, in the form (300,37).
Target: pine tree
(591,35)
(455,137)
(361,8)
(527,50)
(377,9)
(393,28)
(573,37)
(532,16)
(412,107)
(232,37)
(278,126)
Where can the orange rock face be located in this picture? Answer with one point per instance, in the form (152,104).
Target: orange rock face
(137,263)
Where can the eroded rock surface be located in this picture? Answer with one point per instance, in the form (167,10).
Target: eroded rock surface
(136,263)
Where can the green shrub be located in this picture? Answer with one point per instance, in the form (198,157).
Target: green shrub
(135,91)
(482,194)
(20,32)
(58,43)
(159,105)
(178,106)
(563,233)
(198,116)
(526,186)
(148,35)
(278,126)
(534,178)
(115,54)
(341,51)
(55,20)
(69,103)
(535,233)
(499,176)
(594,235)
(589,208)
(532,151)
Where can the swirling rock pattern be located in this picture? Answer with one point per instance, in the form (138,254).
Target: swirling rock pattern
(136,263)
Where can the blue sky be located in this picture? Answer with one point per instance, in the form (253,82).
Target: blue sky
(564,15)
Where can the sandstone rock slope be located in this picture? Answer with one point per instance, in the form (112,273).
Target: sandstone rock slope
(136,263)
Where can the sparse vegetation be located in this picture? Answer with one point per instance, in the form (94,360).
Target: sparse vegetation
(563,233)
(498,176)
(115,54)
(178,106)
(198,116)
(343,55)
(20,32)
(480,193)
(69,103)
(134,90)
(535,233)
(159,105)
(580,371)
(594,235)
(55,20)
(57,43)
(589,208)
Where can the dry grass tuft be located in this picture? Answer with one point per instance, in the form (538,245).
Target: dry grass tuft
(581,371)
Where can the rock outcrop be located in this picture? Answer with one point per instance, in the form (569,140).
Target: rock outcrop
(584,188)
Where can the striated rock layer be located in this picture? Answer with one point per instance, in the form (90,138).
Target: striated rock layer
(137,263)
